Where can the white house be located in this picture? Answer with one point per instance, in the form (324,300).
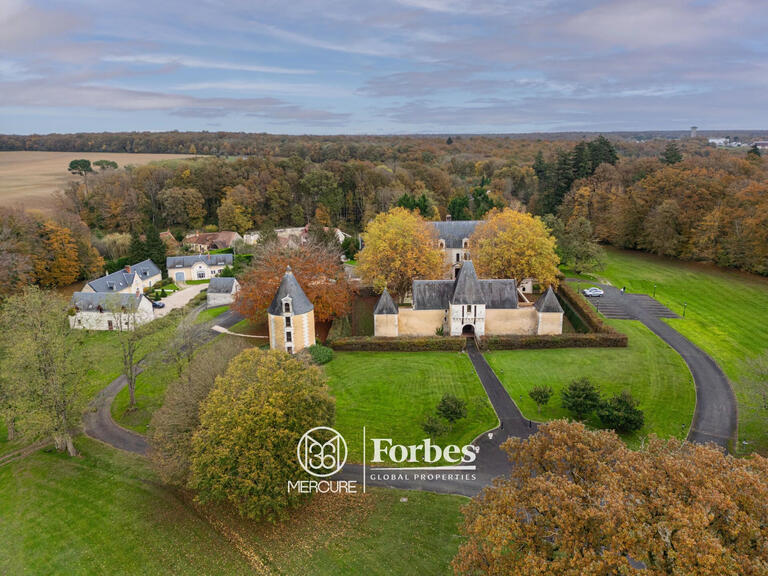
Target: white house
(222,291)
(132,279)
(104,311)
(198,267)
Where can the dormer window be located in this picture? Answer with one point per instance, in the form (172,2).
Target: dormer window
(287,307)
(466,244)
(441,244)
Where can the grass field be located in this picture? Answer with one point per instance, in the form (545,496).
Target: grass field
(210,314)
(654,373)
(105,513)
(726,315)
(30,178)
(390,393)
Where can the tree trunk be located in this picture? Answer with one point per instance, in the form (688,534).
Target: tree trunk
(10,424)
(64,443)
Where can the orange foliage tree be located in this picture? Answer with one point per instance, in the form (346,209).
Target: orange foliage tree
(511,244)
(56,262)
(399,246)
(581,502)
(317,268)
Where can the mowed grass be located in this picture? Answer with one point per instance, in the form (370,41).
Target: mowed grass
(106,513)
(210,314)
(654,373)
(31,177)
(391,393)
(726,316)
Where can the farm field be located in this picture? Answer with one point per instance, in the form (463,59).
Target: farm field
(105,512)
(391,393)
(726,316)
(654,373)
(30,178)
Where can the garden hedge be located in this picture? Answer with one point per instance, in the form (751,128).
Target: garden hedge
(571,340)
(373,344)
(581,308)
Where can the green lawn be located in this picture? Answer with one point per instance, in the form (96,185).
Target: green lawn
(390,393)
(150,394)
(727,316)
(654,373)
(106,513)
(210,314)
(193,282)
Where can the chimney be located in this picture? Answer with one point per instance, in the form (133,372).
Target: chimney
(447,217)
(127,268)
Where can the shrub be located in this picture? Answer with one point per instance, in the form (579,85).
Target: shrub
(373,344)
(621,413)
(581,397)
(452,408)
(434,426)
(569,340)
(320,354)
(541,395)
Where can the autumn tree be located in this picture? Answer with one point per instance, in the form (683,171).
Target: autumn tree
(16,263)
(244,451)
(511,244)
(182,207)
(398,247)
(576,243)
(56,262)
(317,267)
(42,376)
(175,422)
(232,216)
(581,502)
(129,334)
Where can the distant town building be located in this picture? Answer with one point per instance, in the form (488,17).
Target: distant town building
(293,237)
(762,144)
(207,241)
(693,131)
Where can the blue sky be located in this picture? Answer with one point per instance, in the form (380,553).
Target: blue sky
(390,66)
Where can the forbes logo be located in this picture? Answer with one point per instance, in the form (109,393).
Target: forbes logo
(322,451)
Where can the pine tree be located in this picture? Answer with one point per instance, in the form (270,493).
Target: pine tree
(137,250)
(671,154)
(155,248)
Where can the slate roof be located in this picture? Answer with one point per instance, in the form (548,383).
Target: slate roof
(385,305)
(548,302)
(453,232)
(221,239)
(91,301)
(289,286)
(219,285)
(121,279)
(209,259)
(466,289)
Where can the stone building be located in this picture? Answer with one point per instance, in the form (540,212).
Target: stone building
(290,317)
(221,291)
(468,306)
(198,267)
(105,311)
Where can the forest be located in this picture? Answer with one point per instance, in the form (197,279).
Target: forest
(680,198)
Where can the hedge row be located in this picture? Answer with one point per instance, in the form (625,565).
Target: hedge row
(411,344)
(584,310)
(571,340)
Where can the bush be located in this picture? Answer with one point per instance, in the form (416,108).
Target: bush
(320,354)
(418,344)
(621,413)
(581,307)
(452,408)
(570,340)
(244,450)
(581,397)
(349,247)
(541,395)
(434,426)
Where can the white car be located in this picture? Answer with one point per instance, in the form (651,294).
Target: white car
(591,292)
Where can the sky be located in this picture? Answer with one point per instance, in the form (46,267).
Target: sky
(382,67)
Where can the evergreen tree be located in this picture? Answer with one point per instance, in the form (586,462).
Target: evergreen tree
(137,250)
(754,152)
(458,208)
(602,151)
(671,154)
(581,160)
(154,248)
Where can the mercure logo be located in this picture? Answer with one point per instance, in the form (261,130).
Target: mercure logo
(322,451)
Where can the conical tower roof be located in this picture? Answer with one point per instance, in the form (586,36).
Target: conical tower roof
(385,305)
(467,288)
(548,302)
(289,286)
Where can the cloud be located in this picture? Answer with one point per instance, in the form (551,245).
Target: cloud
(368,47)
(187,62)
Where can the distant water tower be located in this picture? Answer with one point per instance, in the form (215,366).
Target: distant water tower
(693,131)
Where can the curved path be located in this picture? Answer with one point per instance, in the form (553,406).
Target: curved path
(98,421)
(715,418)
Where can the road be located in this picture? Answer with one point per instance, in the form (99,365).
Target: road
(715,418)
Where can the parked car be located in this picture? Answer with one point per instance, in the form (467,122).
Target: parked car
(592,292)
(158,304)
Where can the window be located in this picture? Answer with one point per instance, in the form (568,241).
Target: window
(458,257)
(287,307)
(110,326)
(469,310)
(289,336)
(287,321)
(466,244)
(289,349)
(201,275)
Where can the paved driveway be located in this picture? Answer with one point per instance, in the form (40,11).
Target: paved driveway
(715,418)
(179,299)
